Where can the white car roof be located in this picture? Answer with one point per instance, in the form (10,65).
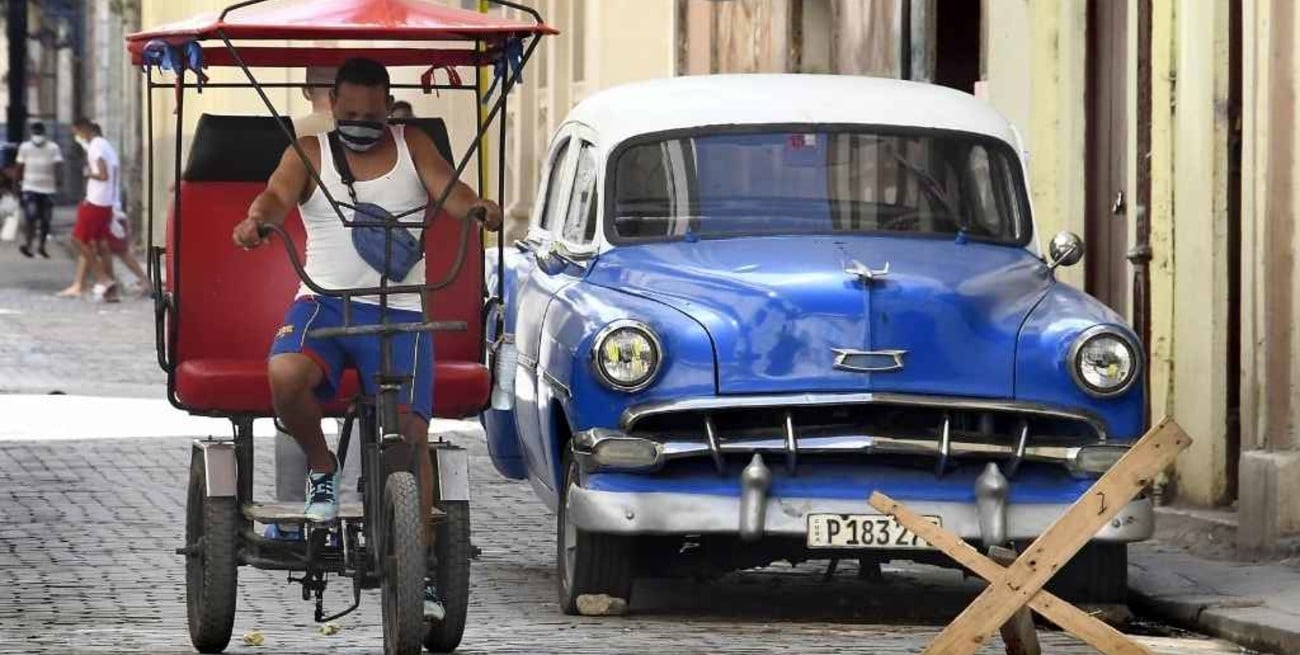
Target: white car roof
(622,112)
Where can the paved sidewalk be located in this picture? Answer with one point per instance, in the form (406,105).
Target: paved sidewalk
(50,344)
(1254,604)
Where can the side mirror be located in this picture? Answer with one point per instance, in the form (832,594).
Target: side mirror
(1065,249)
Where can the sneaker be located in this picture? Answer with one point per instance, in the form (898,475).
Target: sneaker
(283,533)
(433,609)
(322,496)
(105,292)
(41,252)
(25,250)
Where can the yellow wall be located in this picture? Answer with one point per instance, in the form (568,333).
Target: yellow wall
(1199,162)
(1034,75)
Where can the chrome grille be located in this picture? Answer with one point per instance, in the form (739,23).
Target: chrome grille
(797,426)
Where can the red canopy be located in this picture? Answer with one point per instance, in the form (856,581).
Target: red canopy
(386,20)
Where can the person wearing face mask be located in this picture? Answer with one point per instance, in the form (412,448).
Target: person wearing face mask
(40,168)
(389,170)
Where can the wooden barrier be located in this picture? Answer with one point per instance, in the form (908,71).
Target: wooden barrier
(1021,583)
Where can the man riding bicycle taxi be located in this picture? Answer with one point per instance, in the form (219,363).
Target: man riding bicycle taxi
(393,170)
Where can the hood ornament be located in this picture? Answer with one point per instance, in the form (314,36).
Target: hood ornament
(868,361)
(866,273)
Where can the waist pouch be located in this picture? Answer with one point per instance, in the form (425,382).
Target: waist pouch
(370,243)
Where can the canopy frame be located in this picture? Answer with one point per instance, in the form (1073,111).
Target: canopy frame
(167,305)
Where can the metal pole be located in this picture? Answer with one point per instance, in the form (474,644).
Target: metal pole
(16,30)
(480,83)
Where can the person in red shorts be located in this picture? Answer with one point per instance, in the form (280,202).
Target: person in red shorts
(95,213)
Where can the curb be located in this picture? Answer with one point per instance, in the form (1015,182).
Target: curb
(1243,621)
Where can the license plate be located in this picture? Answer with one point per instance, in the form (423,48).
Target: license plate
(863,531)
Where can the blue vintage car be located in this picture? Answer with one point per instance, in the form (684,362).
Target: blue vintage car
(746,302)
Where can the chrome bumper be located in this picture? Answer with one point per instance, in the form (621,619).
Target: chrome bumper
(654,513)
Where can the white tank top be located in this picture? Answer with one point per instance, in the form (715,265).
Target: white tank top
(332,261)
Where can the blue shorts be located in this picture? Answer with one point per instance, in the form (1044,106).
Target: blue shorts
(412,352)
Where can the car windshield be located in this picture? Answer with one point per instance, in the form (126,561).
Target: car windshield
(793,182)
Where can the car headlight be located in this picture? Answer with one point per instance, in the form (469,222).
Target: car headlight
(627,355)
(1103,362)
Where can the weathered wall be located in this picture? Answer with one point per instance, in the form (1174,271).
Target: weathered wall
(1269,489)
(1034,75)
(1199,158)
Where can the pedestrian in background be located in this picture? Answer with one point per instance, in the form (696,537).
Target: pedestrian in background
(320,79)
(40,170)
(95,213)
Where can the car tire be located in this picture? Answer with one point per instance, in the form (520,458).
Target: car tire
(587,562)
(451,575)
(1098,574)
(211,568)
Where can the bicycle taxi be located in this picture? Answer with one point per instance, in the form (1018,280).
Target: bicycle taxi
(218,308)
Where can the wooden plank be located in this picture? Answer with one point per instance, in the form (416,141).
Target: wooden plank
(1018,634)
(1073,620)
(1061,541)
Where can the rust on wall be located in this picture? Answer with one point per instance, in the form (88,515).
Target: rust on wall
(866,37)
(745,40)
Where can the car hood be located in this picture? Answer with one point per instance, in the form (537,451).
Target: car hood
(778,308)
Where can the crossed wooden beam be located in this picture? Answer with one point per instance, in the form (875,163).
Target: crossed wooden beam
(1021,583)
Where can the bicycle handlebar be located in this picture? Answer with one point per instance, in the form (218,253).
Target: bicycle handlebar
(479,214)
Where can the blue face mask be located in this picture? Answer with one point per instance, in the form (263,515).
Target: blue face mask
(360,136)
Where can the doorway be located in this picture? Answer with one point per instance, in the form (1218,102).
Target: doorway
(957,25)
(1106,136)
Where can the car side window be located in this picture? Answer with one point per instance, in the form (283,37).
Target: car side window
(554,186)
(580,219)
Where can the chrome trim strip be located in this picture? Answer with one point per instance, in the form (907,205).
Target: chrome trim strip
(945,447)
(528,361)
(1072,361)
(842,356)
(711,436)
(636,413)
(1018,456)
(546,375)
(791,446)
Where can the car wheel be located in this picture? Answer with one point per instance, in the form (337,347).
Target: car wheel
(1097,575)
(587,562)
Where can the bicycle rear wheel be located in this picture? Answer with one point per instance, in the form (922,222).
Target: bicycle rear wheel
(453,552)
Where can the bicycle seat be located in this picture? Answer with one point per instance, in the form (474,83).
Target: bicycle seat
(230,302)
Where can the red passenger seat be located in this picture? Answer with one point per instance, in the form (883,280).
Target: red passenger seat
(229,302)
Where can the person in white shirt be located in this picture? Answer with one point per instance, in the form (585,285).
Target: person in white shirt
(321,118)
(39,168)
(95,214)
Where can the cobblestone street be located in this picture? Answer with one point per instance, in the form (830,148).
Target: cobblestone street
(88,529)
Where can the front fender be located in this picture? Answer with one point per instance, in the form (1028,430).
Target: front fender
(578,313)
(1042,373)
(499,425)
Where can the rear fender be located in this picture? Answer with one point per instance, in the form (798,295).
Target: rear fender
(219,467)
